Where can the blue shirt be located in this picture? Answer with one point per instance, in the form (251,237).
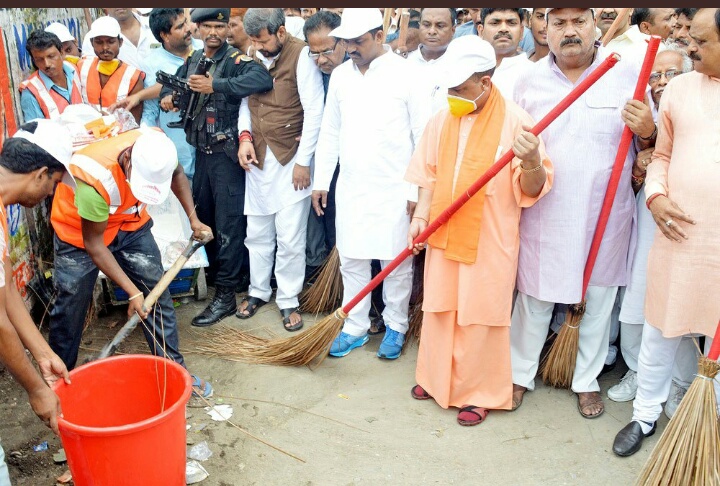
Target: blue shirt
(153,116)
(31,107)
(468,28)
(527,44)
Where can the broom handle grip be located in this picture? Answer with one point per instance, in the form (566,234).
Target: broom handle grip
(617,169)
(583,86)
(714,353)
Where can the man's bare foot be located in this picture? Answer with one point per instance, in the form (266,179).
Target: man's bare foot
(517,396)
(590,404)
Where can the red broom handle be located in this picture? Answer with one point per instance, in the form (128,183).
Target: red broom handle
(714,353)
(625,141)
(584,85)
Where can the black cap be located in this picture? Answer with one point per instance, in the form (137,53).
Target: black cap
(214,14)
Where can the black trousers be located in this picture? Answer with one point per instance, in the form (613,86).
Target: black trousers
(219,194)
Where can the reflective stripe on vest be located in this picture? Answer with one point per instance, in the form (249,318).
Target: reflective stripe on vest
(47,103)
(84,71)
(103,175)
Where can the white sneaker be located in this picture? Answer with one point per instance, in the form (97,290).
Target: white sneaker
(676,395)
(626,389)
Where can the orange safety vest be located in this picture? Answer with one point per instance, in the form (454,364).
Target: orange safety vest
(118,86)
(51,102)
(97,165)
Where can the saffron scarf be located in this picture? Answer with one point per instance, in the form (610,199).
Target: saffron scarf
(459,236)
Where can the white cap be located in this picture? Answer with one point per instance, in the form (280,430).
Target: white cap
(465,56)
(54,139)
(547,10)
(356,22)
(154,159)
(104,26)
(61,31)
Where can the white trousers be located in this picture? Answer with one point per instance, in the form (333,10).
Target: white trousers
(287,228)
(657,354)
(530,320)
(396,294)
(686,360)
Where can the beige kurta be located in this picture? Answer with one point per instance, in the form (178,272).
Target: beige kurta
(464,355)
(683,281)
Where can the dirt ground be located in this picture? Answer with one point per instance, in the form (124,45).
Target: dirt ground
(350,421)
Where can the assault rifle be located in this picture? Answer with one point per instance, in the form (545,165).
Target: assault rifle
(184,98)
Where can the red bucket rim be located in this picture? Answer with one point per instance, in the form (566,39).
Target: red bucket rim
(136,426)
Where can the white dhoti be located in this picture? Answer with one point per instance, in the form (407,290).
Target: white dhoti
(530,320)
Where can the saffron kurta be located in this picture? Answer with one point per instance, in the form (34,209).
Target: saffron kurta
(683,281)
(464,355)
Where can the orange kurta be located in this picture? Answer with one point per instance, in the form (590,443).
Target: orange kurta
(464,355)
(683,279)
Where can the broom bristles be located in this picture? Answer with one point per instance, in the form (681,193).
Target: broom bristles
(327,290)
(687,452)
(415,320)
(301,349)
(558,367)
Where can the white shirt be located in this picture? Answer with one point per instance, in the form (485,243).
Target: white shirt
(130,53)
(431,73)
(271,189)
(371,123)
(508,72)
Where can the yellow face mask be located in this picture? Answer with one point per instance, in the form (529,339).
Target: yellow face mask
(460,106)
(72,59)
(108,67)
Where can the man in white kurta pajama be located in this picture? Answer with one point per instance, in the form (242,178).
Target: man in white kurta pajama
(373,118)
(555,234)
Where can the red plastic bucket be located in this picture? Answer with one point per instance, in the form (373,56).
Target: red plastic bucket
(116,429)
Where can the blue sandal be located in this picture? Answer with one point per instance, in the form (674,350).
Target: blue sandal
(201,388)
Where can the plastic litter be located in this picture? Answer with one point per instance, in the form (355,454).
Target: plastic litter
(40,447)
(194,472)
(59,457)
(200,451)
(220,413)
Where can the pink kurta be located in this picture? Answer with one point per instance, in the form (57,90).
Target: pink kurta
(683,281)
(464,355)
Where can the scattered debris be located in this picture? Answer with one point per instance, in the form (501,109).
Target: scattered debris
(344,397)
(40,447)
(15,454)
(200,452)
(194,472)
(199,427)
(370,419)
(59,457)
(65,478)
(220,413)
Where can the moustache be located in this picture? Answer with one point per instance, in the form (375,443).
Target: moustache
(212,37)
(572,40)
(694,56)
(501,35)
(608,16)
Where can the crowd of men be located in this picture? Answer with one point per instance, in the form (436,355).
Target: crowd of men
(316,129)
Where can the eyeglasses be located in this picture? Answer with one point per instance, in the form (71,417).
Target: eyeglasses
(669,74)
(315,55)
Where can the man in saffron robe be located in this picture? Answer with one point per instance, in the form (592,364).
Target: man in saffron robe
(471,262)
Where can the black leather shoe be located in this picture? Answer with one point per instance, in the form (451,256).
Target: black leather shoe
(221,306)
(629,439)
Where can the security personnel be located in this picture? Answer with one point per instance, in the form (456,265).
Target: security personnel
(219,182)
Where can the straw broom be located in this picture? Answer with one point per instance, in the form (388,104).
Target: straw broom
(559,367)
(327,289)
(315,342)
(687,452)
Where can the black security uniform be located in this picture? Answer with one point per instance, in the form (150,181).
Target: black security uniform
(219,181)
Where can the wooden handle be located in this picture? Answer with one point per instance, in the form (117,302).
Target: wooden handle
(621,18)
(404,26)
(387,19)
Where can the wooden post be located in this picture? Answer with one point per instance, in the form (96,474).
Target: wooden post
(387,18)
(404,22)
